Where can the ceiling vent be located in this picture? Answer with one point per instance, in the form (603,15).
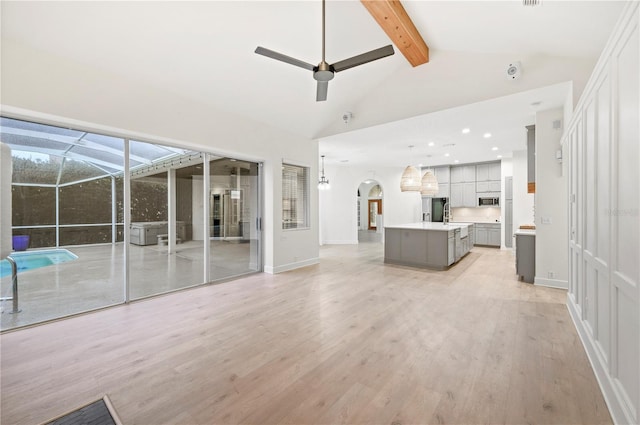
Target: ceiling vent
(531,2)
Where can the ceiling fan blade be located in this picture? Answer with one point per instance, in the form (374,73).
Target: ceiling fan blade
(321,93)
(363,58)
(283,58)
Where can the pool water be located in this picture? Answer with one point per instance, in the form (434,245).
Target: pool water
(29,260)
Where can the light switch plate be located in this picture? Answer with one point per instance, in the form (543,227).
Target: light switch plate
(545,220)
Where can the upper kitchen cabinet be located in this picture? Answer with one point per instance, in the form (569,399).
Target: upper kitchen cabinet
(488,178)
(442,174)
(531,159)
(463,195)
(495,171)
(488,172)
(463,174)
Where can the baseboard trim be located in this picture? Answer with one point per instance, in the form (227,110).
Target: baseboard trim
(291,266)
(551,283)
(616,406)
(341,242)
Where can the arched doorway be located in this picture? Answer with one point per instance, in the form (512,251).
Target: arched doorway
(370,218)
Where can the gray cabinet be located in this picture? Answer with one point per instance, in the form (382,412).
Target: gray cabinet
(456,195)
(526,256)
(495,171)
(469,173)
(482,173)
(493,236)
(463,195)
(442,174)
(457,175)
(444,191)
(469,195)
(487,234)
(463,174)
(482,187)
(488,179)
(482,237)
(508,212)
(451,249)
(531,159)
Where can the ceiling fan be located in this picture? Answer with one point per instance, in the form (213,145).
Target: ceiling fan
(324,72)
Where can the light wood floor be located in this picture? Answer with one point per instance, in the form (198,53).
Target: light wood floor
(350,340)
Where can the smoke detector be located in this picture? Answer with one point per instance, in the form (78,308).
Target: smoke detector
(514,70)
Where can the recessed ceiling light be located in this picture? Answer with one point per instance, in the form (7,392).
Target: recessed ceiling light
(465,131)
(495,148)
(446,154)
(486,135)
(344,160)
(499,156)
(431,144)
(420,165)
(456,161)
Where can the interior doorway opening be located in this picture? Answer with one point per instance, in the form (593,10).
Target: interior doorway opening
(370,211)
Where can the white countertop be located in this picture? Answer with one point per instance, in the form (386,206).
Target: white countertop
(475,222)
(426,225)
(525,232)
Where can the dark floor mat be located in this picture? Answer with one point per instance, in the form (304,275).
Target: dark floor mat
(95,413)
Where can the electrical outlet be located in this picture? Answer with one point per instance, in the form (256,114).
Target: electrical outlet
(551,275)
(545,220)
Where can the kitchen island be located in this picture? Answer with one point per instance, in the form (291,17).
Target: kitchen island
(425,244)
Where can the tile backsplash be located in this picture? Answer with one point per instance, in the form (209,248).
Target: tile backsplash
(477,215)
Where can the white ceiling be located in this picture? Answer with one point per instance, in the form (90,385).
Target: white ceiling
(205,51)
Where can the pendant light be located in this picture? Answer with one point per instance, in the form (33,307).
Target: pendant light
(410,180)
(323,184)
(429,184)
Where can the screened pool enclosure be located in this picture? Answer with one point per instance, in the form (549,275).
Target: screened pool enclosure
(188,218)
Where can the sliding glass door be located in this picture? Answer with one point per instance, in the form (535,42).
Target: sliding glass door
(234,219)
(194,219)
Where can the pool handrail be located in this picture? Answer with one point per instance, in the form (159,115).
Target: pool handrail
(14,285)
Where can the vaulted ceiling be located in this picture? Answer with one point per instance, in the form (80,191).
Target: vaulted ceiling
(205,51)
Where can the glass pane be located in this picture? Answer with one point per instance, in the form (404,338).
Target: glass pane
(86,203)
(295,197)
(373,213)
(73,171)
(233,200)
(72,266)
(34,167)
(33,206)
(157,265)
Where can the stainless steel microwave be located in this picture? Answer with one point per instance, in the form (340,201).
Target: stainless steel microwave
(488,202)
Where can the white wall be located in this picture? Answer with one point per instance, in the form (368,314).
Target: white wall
(523,202)
(603,154)
(339,204)
(46,88)
(551,205)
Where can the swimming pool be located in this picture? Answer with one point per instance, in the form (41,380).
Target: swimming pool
(29,260)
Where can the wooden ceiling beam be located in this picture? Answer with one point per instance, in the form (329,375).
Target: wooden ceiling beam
(395,21)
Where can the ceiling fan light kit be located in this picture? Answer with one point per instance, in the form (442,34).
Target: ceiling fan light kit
(324,72)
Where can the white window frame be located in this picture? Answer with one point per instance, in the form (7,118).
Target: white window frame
(295,216)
